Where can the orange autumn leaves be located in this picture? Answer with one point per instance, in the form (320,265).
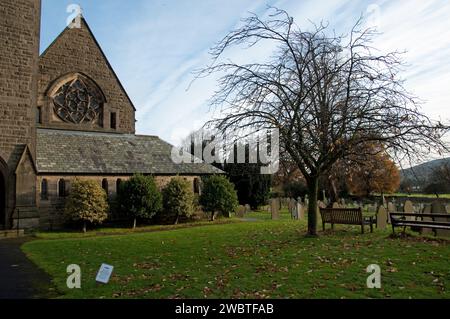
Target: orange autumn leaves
(377,173)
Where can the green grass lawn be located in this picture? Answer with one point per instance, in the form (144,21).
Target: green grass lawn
(446,196)
(255,259)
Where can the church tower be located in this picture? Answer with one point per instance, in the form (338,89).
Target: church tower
(19,55)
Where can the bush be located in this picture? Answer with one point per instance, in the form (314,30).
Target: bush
(139,197)
(218,195)
(178,198)
(87,203)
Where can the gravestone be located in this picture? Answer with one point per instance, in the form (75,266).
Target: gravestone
(336,205)
(247,209)
(325,200)
(439,208)
(391,209)
(274,209)
(290,206)
(342,203)
(300,211)
(409,208)
(293,208)
(427,210)
(382,217)
(240,211)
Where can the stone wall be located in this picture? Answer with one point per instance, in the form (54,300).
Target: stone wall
(76,51)
(19,50)
(52,206)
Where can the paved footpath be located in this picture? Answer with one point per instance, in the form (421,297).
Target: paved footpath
(19,277)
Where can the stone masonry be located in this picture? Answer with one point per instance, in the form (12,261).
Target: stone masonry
(19,51)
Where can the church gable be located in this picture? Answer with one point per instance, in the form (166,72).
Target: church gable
(78,89)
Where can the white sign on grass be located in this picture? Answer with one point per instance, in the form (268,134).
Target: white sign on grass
(104,274)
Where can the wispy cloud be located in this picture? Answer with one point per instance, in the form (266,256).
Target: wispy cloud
(155,45)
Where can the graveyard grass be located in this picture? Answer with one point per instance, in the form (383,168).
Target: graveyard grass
(258,258)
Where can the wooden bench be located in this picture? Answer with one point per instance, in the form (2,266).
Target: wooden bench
(346,216)
(407,220)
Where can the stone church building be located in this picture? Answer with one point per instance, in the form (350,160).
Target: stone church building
(65,115)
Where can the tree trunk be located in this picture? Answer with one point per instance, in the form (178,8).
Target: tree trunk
(176,219)
(84,227)
(134,223)
(313,188)
(213,216)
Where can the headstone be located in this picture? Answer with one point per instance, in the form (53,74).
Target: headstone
(439,208)
(427,210)
(336,205)
(241,211)
(306,200)
(247,208)
(274,209)
(300,211)
(409,208)
(293,208)
(325,200)
(343,202)
(391,209)
(382,218)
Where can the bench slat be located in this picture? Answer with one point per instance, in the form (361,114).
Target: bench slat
(400,220)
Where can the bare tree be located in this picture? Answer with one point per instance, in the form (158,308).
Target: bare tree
(327,94)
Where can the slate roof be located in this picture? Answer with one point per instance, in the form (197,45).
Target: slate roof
(70,152)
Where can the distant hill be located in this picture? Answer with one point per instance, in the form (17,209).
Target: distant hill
(423,171)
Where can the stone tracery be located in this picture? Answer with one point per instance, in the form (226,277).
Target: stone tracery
(78,101)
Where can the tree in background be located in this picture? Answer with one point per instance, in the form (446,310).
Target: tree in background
(374,173)
(326,94)
(87,203)
(218,195)
(139,197)
(178,198)
(439,180)
(252,187)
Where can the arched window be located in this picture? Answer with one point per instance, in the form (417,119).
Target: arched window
(44,189)
(196,186)
(105,185)
(39,115)
(62,192)
(118,183)
(77,99)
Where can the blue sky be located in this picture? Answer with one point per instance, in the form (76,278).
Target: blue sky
(154,45)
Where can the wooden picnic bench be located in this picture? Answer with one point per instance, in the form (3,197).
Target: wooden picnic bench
(417,220)
(346,216)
